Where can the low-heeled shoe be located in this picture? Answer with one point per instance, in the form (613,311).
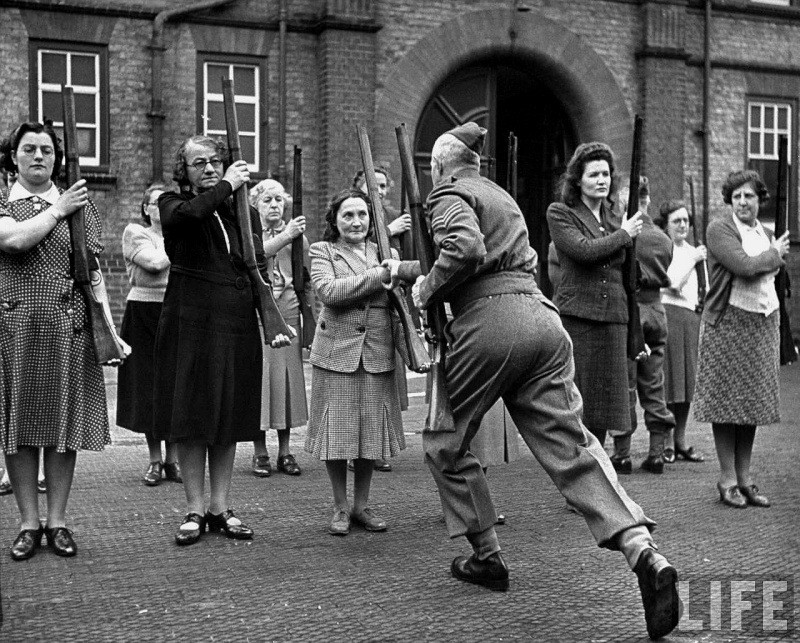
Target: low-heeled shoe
(731,496)
(367,519)
(152,477)
(288,465)
(172,472)
(41,485)
(191,536)
(622,465)
(669,455)
(658,585)
(222,523)
(491,573)
(754,498)
(6,488)
(60,541)
(340,524)
(381,465)
(26,543)
(654,464)
(689,454)
(262,467)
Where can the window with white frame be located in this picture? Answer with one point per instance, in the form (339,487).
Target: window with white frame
(81,70)
(247,91)
(767,122)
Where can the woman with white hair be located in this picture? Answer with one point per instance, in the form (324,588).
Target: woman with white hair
(283,391)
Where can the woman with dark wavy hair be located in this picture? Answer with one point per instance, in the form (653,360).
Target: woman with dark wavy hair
(51,386)
(590,241)
(737,374)
(208,346)
(355,408)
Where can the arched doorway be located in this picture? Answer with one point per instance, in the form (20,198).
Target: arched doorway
(505,98)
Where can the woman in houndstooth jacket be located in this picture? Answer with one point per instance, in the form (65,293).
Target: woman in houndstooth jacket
(355,408)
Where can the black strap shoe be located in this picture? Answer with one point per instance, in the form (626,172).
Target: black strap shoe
(491,573)
(191,536)
(61,542)
(658,582)
(222,523)
(26,543)
(288,465)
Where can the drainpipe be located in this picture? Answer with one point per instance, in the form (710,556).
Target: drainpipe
(156,113)
(282,15)
(706,113)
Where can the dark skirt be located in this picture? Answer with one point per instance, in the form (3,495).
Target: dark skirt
(601,372)
(208,364)
(135,376)
(680,360)
(737,372)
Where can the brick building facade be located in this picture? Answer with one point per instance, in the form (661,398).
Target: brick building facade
(556,72)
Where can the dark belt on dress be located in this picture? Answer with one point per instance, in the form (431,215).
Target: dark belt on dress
(240,283)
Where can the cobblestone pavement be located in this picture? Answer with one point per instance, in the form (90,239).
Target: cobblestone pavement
(295,582)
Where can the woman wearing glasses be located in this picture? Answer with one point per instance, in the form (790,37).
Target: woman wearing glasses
(147,265)
(52,393)
(208,346)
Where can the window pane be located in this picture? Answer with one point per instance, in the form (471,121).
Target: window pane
(216,116)
(755,115)
(247,117)
(54,68)
(86,138)
(51,106)
(84,108)
(755,147)
(769,117)
(783,114)
(248,144)
(244,81)
(83,70)
(769,144)
(216,73)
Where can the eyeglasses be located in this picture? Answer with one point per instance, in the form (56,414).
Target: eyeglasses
(200,164)
(30,150)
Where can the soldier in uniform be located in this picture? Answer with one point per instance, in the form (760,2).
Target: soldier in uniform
(506,341)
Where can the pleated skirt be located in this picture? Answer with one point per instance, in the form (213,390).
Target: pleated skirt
(601,372)
(354,415)
(135,376)
(283,390)
(737,372)
(208,364)
(680,359)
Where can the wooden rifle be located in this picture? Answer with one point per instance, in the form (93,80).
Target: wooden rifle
(307,322)
(440,413)
(788,351)
(417,354)
(511,173)
(106,346)
(636,346)
(271,319)
(700,240)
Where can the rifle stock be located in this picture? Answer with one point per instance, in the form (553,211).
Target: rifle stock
(700,239)
(104,339)
(271,319)
(419,360)
(307,322)
(440,413)
(636,346)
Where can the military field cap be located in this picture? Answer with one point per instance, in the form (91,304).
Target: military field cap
(470,134)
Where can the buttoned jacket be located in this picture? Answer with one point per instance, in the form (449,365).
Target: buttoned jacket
(591,257)
(356,323)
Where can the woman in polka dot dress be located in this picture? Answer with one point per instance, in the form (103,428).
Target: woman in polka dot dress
(51,387)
